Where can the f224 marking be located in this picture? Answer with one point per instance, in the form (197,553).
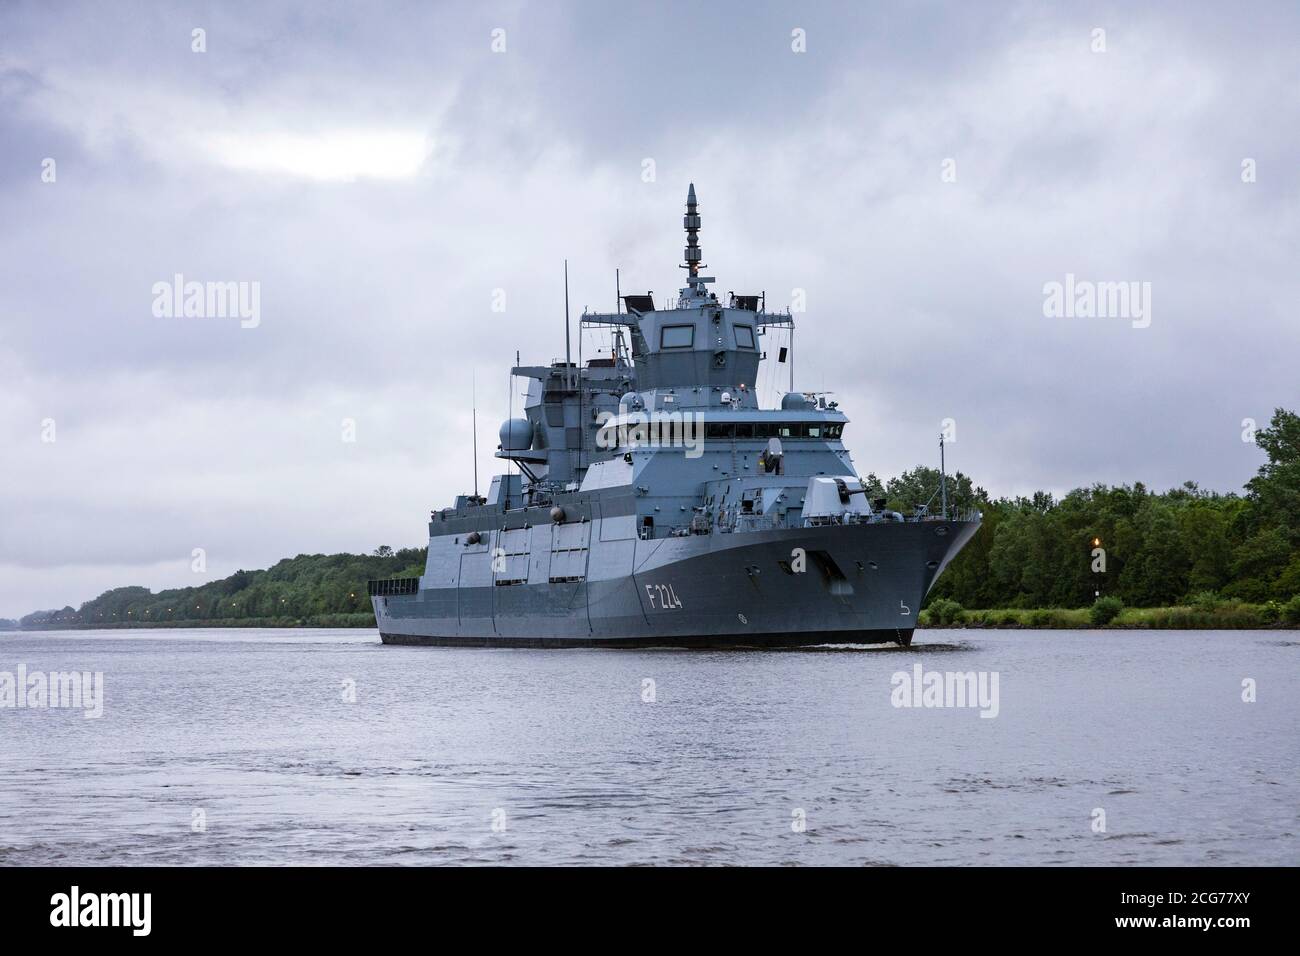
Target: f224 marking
(664,595)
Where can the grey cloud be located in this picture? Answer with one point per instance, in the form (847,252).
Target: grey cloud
(817,171)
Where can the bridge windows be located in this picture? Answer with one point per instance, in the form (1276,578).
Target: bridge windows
(608,437)
(677,337)
(745,431)
(827,431)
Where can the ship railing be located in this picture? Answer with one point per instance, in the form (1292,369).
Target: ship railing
(954,514)
(743,523)
(393,587)
(846,518)
(887,517)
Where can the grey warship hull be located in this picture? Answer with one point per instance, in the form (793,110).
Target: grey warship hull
(652,501)
(863,584)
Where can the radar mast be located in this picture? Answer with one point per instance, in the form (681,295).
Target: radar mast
(695,282)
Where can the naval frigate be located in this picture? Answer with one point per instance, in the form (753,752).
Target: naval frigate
(649,500)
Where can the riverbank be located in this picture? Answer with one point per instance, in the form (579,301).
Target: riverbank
(1228,616)
(360,619)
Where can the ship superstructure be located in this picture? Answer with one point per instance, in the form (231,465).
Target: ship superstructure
(656,503)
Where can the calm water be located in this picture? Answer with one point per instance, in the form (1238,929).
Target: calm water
(252,728)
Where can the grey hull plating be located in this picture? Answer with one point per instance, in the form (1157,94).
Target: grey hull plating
(860,584)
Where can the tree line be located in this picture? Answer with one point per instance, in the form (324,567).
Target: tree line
(1142,547)
(322,589)
(1146,548)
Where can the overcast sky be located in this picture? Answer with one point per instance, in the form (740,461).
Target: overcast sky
(380,170)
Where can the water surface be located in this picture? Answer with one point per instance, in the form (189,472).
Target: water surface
(252,728)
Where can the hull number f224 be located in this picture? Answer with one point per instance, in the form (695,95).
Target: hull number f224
(663,597)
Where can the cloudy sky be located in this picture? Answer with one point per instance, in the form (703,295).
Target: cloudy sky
(921,171)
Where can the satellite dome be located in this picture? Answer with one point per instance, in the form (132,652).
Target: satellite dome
(516,434)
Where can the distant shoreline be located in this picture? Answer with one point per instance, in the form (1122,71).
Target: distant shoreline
(1229,617)
(326,621)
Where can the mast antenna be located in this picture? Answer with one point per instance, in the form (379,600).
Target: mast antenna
(510,462)
(693,254)
(692,223)
(568,358)
(943,478)
(473,388)
(792,355)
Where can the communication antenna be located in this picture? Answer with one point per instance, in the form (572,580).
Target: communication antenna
(615,335)
(692,255)
(692,223)
(577,381)
(568,357)
(943,478)
(791,357)
(473,388)
(510,416)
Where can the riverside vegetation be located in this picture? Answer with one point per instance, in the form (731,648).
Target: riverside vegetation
(1104,556)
